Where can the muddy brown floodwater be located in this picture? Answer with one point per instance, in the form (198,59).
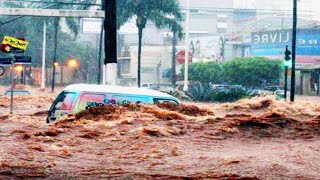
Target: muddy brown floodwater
(257,138)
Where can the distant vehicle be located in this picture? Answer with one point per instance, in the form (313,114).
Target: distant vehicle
(148,85)
(268,90)
(159,87)
(79,97)
(273,88)
(220,87)
(17,92)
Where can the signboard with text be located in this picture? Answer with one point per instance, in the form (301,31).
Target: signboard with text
(273,43)
(14,42)
(16,60)
(5,61)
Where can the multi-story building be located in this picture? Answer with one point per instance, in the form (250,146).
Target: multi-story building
(219,30)
(209,23)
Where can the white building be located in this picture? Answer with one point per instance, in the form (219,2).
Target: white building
(307,9)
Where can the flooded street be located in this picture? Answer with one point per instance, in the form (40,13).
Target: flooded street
(160,89)
(257,138)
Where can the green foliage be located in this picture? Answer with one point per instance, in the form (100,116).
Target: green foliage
(31,28)
(248,72)
(205,72)
(174,93)
(200,92)
(158,12)
(230,94)
(252,72)
(164,14)
(204,92)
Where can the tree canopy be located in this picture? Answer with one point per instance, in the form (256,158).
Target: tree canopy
(248,72)
(252,72)
(205,72)
(164,13)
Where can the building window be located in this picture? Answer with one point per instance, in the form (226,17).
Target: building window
(148,70)
(222,30)
(124,66)
(222,24)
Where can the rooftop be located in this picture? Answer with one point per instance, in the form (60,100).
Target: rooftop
(116,89)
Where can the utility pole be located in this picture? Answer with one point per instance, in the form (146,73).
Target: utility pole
(173,63)
(103,28)
(294,39)
(186,59)
(100,54)
(110,37)
(285,82)
(43,73)
(56,24)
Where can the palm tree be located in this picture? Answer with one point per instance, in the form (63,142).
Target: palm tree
(163,13)
(29,26)
(73,25)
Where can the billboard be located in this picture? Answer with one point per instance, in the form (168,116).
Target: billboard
(207,47)
(273,43)
(91,25)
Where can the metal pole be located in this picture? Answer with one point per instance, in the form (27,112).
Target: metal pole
(56,23)
(139,57)
(104,77)
(285,82)
(318,89)
(21,75)
(61,74)
(173,62)
(186,59)
(43,71)
(12,86)
(100,54)
(294,37)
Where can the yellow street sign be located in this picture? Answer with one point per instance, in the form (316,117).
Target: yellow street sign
(14,42)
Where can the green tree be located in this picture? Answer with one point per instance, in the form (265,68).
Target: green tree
(164,14)
(73,25)
(252,72)
(205,72)
(31,28)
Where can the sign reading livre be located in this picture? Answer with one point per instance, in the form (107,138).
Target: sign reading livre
(14,42)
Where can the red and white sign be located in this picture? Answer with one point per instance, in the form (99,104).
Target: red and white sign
(181,57)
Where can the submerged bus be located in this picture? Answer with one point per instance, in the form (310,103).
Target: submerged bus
(78,97)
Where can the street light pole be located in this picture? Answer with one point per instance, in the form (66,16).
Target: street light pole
(56,24)
(186,58)
(173,61)
(294,39)
(43,73)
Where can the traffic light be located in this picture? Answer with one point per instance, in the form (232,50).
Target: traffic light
(287,54)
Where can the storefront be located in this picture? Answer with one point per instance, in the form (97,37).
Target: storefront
(310,80)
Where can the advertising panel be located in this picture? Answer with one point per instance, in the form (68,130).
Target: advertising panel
(273,43)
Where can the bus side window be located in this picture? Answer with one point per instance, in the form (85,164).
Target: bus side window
(90,98)
(130,99)
(160,101)
(64,101)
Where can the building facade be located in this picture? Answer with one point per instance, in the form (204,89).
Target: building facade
(219,31)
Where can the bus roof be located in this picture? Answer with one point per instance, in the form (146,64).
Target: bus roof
(116,90)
